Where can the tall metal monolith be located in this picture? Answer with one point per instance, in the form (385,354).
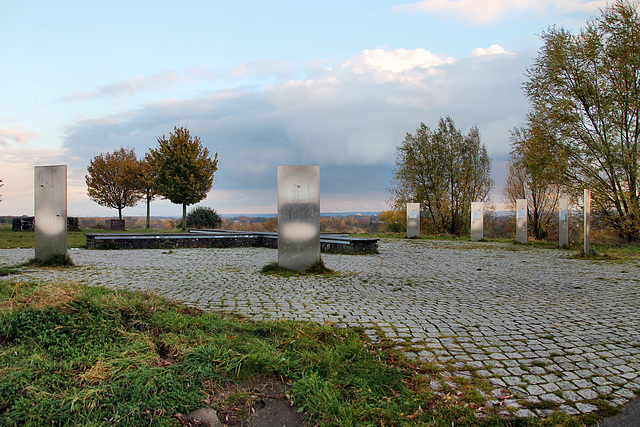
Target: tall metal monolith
(50,199)
(298,217)
(413,220)
(587,222)
(477,221)
(522,216)
(563,222)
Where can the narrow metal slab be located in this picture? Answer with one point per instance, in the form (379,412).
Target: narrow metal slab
(563,222)
(477,221)
(50,197)
(413,220)
(587,222)
(522,216)
(298,217)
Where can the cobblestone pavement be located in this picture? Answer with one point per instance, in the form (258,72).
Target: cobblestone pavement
(534,322)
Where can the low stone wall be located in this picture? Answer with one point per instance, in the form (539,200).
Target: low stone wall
(329,244)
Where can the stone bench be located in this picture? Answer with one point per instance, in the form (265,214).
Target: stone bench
(330,243)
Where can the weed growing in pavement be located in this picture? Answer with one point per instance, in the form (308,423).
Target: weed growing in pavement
(541,404)
(539,363)
(8,270)
(62,261)
(318,269)
(54,261)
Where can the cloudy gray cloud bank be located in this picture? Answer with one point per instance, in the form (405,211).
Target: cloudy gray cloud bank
(347,117)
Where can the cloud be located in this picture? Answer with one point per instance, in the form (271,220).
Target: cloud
(489,12)
(263,68)
(394,62)
(495,49)
(260,69)
(129,88)
(348,117)
(15,135)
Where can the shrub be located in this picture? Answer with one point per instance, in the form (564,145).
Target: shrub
(203,217)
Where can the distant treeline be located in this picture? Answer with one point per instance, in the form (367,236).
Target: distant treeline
(495,226)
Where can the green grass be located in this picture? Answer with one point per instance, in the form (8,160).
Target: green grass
(318,269)
(8,270)
(78,355)
(10,239)
(54,261)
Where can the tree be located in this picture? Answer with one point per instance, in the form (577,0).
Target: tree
(147,175)
(184,169)
(584,89)
(534,183)
(203,217)
(444,171)
(113,180)
(395,220)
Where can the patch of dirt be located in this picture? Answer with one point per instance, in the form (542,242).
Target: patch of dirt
(262,402)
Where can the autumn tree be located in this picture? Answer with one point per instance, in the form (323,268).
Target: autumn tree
(585,90)
(534,182)
(444,171)
(395,220)
(113,180)
(184,169)
(146,177)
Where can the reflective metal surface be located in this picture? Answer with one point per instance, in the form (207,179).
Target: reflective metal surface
(413,220)
(521,220)
(477,221)
(587,222)
(563,222)
(298,216)
(50,195)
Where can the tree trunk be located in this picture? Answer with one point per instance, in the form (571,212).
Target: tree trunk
(120,213)
(184,217)
(148,212)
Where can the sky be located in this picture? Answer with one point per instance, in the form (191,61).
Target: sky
(334,83)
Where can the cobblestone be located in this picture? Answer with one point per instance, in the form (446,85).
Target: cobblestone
(533,320)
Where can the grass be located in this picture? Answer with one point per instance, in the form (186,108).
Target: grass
(318,269)
(9,270)
(54,261)
(78,355)
(10,239)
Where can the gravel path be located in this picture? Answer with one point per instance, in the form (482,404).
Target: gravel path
(532,321)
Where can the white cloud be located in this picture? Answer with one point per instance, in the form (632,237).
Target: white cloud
(495,49)
(15,135)
(489,12)
(394,61)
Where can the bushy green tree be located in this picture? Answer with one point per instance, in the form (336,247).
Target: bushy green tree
(584,89)
(203,217)
(113,180)
(184,170)
(444,171)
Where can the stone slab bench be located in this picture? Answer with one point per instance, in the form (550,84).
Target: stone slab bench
(329,243)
